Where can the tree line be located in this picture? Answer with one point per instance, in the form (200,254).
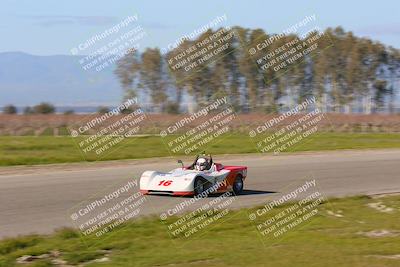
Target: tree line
(353,74)
(42,108)
(46,108)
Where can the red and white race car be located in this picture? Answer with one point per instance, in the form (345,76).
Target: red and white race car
(200,178)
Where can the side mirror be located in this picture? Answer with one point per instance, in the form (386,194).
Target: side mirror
(181,162)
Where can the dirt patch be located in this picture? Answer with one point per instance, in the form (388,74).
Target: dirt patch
(380,233)
(201,261)
(392,257)
(336,214)
(378,196)
(379,206)
(54,257)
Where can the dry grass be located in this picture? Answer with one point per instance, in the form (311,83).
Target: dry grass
(57,124)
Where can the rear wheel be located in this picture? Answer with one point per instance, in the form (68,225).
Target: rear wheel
(238,185)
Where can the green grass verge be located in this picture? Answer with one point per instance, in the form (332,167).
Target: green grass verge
(324,240)
(29,150)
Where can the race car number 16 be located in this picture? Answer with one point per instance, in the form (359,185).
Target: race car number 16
(165,182)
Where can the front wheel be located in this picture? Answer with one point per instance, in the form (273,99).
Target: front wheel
(238,185)
(199,186)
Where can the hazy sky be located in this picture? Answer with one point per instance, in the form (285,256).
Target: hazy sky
(48,27)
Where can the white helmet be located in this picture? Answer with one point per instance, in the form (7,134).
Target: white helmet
(201,164)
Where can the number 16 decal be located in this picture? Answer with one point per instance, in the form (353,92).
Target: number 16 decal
(165,182)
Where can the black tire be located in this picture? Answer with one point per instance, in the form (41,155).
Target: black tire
(199,186)
(238,185)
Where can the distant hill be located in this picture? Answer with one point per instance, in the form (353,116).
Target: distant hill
(27,79)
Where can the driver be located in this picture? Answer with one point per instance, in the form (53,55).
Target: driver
(201,164)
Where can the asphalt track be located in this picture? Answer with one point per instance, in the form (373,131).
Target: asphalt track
(39,199)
